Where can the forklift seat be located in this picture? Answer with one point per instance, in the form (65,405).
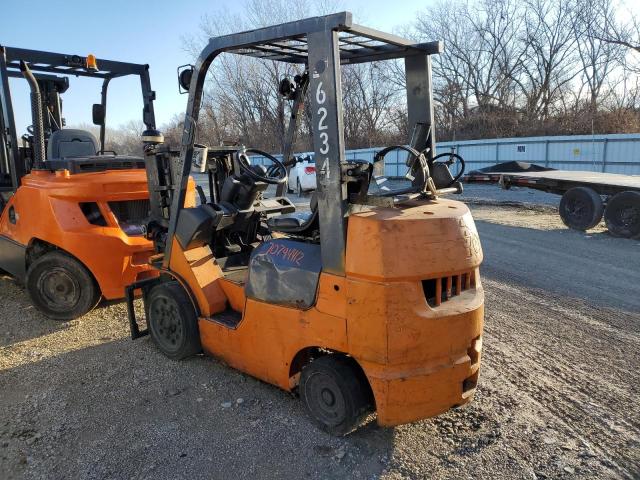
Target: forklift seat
(297,222)
(70,142)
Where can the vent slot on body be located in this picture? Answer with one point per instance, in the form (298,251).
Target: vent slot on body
(130,211)
(131,215)
(438,290)
(93,214)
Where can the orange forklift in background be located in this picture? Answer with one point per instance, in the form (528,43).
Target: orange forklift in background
(372,299)
(72,213)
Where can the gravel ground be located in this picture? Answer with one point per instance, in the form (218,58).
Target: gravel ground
(557,395)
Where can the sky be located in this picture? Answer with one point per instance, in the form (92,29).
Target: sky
(140,32)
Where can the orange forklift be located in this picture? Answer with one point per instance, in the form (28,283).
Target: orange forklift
(369,301)
(73,213)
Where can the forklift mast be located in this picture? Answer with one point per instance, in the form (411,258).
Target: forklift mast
(321,45)
(51,72)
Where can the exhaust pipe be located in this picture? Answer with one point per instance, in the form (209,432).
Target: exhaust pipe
(36,114)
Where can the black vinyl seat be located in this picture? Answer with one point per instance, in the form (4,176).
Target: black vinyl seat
(70,143)
(297,222)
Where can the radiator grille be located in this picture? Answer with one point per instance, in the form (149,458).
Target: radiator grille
(130,211)
(438,290)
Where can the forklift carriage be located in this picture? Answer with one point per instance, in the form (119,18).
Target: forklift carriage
(372,299)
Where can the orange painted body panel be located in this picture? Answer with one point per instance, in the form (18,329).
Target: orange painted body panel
(432,238)
(47,208)
(198,269)
(420,359)
(268,338)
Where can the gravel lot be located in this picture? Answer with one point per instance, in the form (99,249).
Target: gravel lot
(558,392)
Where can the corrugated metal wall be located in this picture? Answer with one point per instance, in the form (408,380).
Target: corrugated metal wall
(598,153)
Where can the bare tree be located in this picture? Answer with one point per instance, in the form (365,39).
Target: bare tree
(549,65)
(241,100)
(598,58)
(510,67)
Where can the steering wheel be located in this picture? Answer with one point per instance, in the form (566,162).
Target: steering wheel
(417,157)
(277,177)
(452,159)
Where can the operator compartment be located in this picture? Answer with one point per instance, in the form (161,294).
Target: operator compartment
(224,239)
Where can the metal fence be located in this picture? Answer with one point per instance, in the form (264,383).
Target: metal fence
(618,153)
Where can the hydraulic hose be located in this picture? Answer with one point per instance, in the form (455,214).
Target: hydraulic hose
(36,114)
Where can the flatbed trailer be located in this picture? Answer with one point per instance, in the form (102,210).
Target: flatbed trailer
(586,196)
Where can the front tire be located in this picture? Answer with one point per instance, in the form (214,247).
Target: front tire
(335,393)
(61,287)
(172,320)
(581,208)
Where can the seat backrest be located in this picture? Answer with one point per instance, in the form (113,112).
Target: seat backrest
(313,220)
(313,202)
(70,142)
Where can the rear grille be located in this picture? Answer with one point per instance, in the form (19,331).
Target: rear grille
(130,211)
(438,290)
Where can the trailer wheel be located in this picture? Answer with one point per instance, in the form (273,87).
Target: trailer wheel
(622,215)
(581,208)
(172,321)
(335,393)
(61,287)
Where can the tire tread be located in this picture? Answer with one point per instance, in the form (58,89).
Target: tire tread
(357,391)
(88,299)
(191,345)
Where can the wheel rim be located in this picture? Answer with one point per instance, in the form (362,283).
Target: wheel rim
(166,323)
(628,217)
(325,399)
(59,289)
(577,210)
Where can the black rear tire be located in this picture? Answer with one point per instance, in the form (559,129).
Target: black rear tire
(61,287)
(581,208)
(172,320)
(622,215)
(335,393)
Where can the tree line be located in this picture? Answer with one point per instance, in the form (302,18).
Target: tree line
(509,68)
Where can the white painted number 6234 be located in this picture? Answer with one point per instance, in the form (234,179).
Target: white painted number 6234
(321,97)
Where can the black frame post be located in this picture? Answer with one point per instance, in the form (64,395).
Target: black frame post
(9,155)
(103,102)
(419,101)
(328,140)
(148,96)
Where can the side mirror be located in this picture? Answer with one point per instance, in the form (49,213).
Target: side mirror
(98,113)
(185,72)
